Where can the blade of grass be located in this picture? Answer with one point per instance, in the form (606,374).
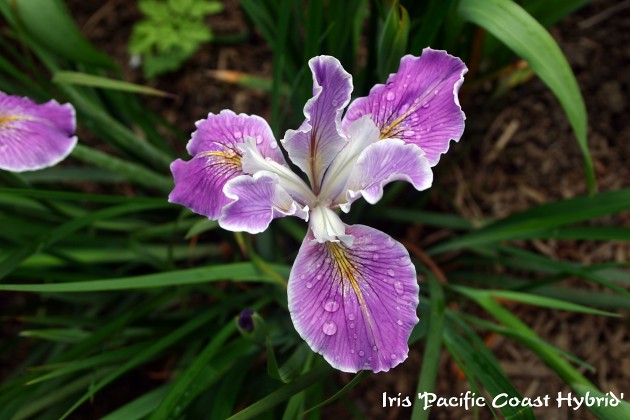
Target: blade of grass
(85,79)
(511,24)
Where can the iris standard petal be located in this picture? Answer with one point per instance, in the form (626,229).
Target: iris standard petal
(257,200)
(419,103)
(384,162)
(34,136)
(314,145)
(355,305)
(217,159)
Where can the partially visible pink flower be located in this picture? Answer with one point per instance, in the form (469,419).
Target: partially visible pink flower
(352,291)
(34,136)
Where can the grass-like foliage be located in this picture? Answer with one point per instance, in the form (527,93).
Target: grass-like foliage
(109,283)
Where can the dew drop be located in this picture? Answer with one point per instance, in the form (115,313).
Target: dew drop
(329,328)
(351,317)
(238,134)
(334,102)
(351,351)
(409,133)
(355,336)
(390,272)
(331,306)
(393,356)
(375,348)
(399,322)
(398,286)
(319,277)
(303,276)
(309,285)
(259,139)
(352,326)
(273,145)
(369,360)
(375,257)
(390,96)
(425,104)
(361,353)
(389,243)
(436,91)
(337,357)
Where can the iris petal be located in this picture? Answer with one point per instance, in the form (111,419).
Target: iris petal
(314,145)
(384,162)
(257,201)
(419,103)
(34,136)
(355,305)
(217,159)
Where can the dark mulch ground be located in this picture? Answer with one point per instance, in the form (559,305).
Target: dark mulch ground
(518,151)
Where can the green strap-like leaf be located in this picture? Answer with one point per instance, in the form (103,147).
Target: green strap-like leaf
(512,25)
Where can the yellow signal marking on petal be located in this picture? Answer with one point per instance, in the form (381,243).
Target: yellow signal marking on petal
(8,118)
(387,131)
(228,157)
(348,271)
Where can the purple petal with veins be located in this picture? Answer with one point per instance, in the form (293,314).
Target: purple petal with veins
(217,157)
(314,145)
(384,162)
(257,200)
(34,136)
(419,103)
(355,305)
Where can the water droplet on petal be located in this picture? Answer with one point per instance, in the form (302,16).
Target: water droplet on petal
(351,317)
(425,104)
(361,353)
(409,133)
(390,96)
(238,134)
(428,128)
(369,360)
(331,306)
(259,139)
(351,351)
(303,276)
(393,356)
(334,102)
(337,357)
(390,272)
(375,257)
(355,336)
(399,322)
(273,145)
(389,243)
(375,348)
(352,326)
(319,277)
(309,285)
(436,91)
(398,286)
(329,328)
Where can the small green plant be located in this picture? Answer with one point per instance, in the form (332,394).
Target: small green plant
(171,32)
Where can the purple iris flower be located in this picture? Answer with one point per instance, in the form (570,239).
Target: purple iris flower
(353,290)
(34,136)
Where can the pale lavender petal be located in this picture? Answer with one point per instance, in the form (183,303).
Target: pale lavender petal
(34,136)
(355,305)
(257,201)
(328,227)
(419,104)
(227,130)
(217,159)
(199,182)
(384,162)
(314,145)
